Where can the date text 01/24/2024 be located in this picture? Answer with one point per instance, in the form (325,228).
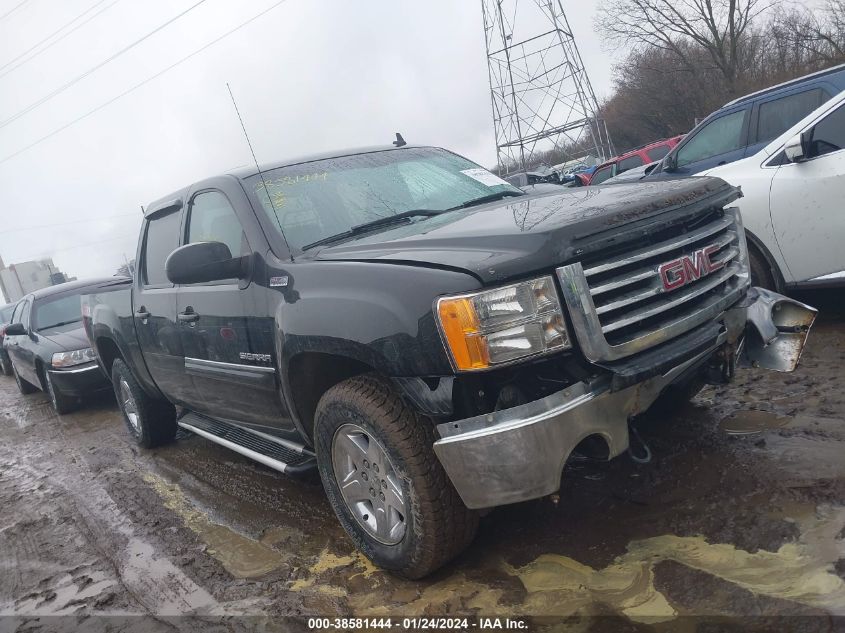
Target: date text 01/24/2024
(419,623)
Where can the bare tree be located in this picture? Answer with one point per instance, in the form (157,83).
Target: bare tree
(817,35)
(126,269)
(717,27)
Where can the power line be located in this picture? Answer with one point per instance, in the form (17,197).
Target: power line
(109,239)
(53,34)
(95,68)
(138,85)
(12,10)
(51,251)
(77,221)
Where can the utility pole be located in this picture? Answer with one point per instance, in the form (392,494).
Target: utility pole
(540,94)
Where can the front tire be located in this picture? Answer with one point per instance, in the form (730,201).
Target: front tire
(150,422)
(61,403)
(24,387)
(384,482)
(5,364)
(761,273)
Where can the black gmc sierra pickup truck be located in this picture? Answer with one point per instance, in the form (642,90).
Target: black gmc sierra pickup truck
(431,339)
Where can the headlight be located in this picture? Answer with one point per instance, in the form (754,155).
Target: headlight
(76,357)
(494,327)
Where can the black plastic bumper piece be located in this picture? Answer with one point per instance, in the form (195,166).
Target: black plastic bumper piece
(79,381)
(662,358)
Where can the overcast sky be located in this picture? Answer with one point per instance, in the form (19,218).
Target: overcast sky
(309,76)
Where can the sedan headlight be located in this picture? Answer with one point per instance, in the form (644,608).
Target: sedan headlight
(495,327)
(76,357)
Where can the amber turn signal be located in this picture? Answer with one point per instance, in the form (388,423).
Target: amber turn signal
(459,322)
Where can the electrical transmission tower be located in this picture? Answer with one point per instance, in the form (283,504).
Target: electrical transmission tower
(541,96)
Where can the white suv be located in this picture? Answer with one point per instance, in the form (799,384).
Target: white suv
(792,206)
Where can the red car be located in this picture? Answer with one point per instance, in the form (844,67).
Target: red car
(634,158)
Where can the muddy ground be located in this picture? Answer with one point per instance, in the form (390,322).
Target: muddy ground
(740,514)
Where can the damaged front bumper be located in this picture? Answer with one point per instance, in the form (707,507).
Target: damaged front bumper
(519,453)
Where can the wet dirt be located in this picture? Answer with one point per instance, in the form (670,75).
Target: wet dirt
(740,513)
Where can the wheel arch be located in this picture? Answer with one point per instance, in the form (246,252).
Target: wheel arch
(41,372)
(108,352)
(312,374)
(762,250)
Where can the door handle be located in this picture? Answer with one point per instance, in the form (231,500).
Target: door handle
(142,313)
(188,316)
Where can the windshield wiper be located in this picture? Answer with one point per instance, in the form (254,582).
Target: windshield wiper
(366,227)
(53,325)
(405,215)
(488,198)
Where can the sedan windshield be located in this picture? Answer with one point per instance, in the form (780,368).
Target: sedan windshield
(314,201)
(53,312)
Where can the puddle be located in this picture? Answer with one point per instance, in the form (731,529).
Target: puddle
(748,422)
(242,556)
(327,561)
(555,585)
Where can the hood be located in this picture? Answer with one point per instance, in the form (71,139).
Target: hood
(67,337)
(518,236)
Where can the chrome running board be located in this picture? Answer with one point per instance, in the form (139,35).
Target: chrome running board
(276,453)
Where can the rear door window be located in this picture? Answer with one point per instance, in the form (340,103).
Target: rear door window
(778,115)
(719,136)
(601,175)
(162,239)
(656,153)
(628,163)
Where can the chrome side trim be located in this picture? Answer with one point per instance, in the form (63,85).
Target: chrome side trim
(79,370)
(829,276)
(203,366)
(262,459)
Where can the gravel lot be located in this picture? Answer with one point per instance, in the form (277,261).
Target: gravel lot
(740,513)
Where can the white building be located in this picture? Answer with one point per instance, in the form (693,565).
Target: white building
(20,279)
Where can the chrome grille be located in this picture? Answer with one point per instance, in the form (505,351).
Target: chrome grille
(619,305)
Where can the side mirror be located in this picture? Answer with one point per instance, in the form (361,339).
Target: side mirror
(798,148)
(16,329)
(202,262)
(670,163)
(794,150)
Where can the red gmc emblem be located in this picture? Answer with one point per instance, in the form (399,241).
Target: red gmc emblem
(686,269)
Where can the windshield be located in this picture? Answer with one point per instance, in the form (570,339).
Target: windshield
(320,199)
(53,312)
(6,313)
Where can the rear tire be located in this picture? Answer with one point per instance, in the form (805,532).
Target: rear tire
(24,387)
(761,273)
(360,422)
(61,403)
(151,422)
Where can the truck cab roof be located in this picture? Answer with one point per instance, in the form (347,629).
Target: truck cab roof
(176,199)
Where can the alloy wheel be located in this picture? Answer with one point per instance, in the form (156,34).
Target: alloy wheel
(369,484)
(130,408)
